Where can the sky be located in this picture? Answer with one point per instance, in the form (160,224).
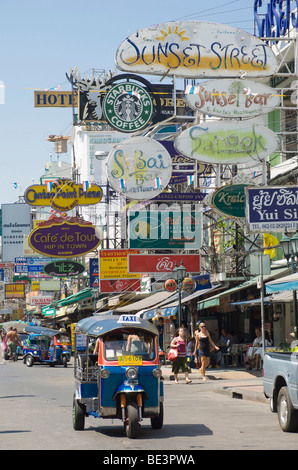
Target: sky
(41,41)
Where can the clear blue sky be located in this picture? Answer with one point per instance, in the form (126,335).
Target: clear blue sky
(40,41)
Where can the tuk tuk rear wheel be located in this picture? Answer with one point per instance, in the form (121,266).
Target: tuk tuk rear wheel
(157,421)
(29,361)
(78,415)
(64,361)
(132,421)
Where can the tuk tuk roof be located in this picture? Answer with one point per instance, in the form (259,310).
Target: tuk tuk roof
(98,326)
(39,330)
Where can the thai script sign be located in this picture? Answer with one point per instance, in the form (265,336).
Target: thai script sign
(230,200)
(195,49)
(233,98)
(113,264)
(272,208)
(139,168)
(280,18)
(128,107)
(63,195)
(64,268)
(55,99)
(227,142)
(14,291)
(64,238)
(162,263)
(113,285)
(165,229)
(29,265)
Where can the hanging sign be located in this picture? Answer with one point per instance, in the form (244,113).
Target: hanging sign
(233,98)
(62,238)
(128,107)
(230,200)
(143,263)
(195,49)
(64,268)
(139,168)
(225,142)
(63,195)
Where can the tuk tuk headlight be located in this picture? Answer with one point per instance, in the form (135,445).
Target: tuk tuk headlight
(131,373)
(104,373)
(157,373)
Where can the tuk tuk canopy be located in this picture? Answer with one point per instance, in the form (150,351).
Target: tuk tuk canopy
(99,326)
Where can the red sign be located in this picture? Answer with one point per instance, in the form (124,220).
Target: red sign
(162,263)
(14,291)
(120,285)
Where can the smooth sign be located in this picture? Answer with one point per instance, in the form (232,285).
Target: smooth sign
(140,168)
(226,142)
(194,49)
(233,98)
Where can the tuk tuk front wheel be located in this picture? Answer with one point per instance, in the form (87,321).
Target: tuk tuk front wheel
(29,361)
(78,415)
(132,421)
(64,361)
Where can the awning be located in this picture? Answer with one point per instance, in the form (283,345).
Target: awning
(287,283)
(282,297)
(148,302)
(216,299)
(83,294)
(267,301)
(163,312)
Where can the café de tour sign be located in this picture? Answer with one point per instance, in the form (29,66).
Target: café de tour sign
(195,49)
(139,168)
(226,142)
(230,98)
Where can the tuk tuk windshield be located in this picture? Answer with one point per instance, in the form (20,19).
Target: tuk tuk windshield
(136,343)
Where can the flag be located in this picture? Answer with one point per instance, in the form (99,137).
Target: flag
(157,182)
(122,183)
(270,240)
(49,186)
(16,185)
(87,185)
(190,179)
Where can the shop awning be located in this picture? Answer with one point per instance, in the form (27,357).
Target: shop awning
(148,302)
(217,299)
(72,299)
(287,283)
(251,302)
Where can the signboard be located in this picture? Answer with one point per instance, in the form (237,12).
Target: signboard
(65,238)
(162,263)
(230,200)
(128,107)
(120,285)
(63,195)
(277,20)
(195,49)
(113,264)
(139,168)
(233,98)
(55,99)
(30,265)
(41,300)
(64,268)
(16,222)
(48,312)
(226,142)
(14,291)
(272,209)
(165,229)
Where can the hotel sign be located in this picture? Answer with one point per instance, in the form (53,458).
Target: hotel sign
(55,99)
(195,49)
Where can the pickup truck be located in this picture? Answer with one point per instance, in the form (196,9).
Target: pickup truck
(281,386)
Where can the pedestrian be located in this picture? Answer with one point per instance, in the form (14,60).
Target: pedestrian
(160,328)
(203,344)
(12,342)
(179,342)
(3,347)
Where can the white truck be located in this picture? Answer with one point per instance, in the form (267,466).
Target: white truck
(281,386)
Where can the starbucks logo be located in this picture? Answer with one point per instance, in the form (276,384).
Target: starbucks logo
(128,107)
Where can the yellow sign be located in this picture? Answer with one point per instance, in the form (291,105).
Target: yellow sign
(63,195)
(55,99)
(34,285)
(129,360)
(113,264)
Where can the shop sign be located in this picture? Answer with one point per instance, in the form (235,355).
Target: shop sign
(41,300)
(225,142)
(139,168)
(272,209)
(128,107)
(113,264)
(55,99)
(195,49)
(64,268)
(233,98)
(165,229)
(120,285)
(230,200)
(64,238)
(280,18)
(14,291)
(63,195)
(162,263)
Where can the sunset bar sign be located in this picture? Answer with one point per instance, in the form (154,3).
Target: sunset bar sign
(195,49)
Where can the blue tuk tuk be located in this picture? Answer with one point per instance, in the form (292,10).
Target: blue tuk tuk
(46,346)
(117,372)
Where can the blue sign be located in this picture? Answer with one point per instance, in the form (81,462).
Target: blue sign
(93,272)
(202,282)
(279,18)
(272,209)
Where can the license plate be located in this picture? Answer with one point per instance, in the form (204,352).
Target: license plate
(130,360)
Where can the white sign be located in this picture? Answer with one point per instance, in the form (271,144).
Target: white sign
(16,222)
(129,319)
(194,49)
(232,98)
(41,300)
(139,168)
(226,142)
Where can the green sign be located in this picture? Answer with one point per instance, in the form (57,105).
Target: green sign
(128,107)
(230,200)
(48,312)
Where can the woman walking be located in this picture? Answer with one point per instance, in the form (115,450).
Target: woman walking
(203,343)
(179,342)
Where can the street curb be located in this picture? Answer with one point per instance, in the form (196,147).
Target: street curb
(241,394)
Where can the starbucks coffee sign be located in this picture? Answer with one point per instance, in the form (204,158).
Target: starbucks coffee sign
(128,107)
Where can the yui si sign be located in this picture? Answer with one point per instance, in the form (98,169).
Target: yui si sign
(128,107)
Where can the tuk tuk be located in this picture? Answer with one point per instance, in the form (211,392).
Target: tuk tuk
(117,372)
(51,347)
